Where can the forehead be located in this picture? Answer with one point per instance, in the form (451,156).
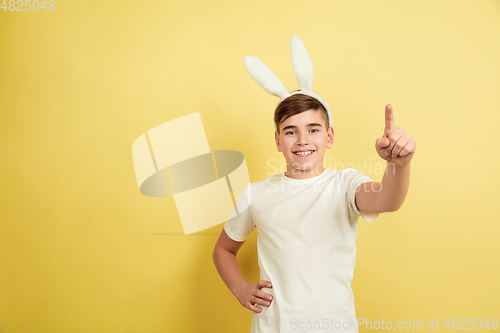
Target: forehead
(307,118)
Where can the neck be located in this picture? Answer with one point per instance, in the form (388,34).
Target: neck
(304,174)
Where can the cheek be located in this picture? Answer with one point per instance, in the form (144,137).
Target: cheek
(286,144)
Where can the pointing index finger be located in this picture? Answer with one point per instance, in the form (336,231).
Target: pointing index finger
(389,118)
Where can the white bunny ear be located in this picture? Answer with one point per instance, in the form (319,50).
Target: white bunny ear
(265,77)
(301,62)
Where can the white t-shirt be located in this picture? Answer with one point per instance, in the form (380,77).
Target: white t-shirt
(306,248)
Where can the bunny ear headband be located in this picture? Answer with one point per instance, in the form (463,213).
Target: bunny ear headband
(302,66)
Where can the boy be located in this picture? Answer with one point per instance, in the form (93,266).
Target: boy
(307,221)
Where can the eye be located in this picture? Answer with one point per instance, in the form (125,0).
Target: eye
(314,130)
(289,132)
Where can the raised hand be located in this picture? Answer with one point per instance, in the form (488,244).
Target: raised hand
(250,293)
(395,146)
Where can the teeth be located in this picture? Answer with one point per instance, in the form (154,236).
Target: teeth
(304,153)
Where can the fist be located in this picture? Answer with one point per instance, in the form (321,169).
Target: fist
(395,146)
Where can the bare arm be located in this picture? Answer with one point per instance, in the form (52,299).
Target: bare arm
(385,196)
(224,257)
(398,148)
(247,293)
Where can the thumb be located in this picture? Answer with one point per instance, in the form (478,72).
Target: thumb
(383,142)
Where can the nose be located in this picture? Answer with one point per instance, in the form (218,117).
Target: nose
(302,139)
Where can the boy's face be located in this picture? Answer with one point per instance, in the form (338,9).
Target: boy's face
(304,132)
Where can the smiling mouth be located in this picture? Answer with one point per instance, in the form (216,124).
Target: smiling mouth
(304,153)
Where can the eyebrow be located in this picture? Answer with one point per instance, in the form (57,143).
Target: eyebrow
(295,127)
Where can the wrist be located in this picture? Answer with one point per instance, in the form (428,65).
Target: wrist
(397,166)
(238,287)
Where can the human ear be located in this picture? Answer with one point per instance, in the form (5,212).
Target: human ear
(331,136)
(277,138)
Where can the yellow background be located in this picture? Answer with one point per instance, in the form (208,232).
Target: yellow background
(81,250)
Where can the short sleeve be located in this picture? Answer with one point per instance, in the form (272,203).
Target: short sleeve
(353,178)
(240,224)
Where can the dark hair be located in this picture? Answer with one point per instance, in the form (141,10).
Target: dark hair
(295,104)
